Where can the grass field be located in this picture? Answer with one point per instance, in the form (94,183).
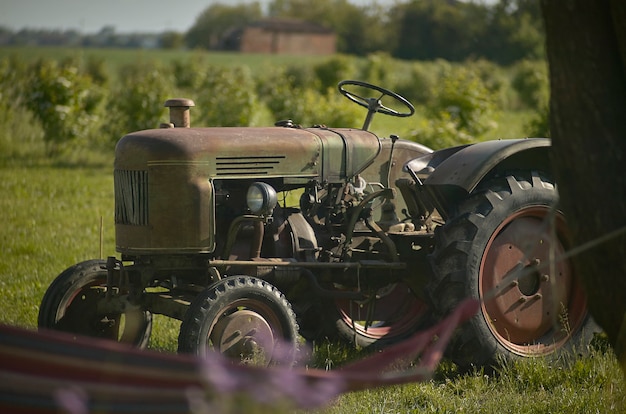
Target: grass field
(57,212)
(118,57)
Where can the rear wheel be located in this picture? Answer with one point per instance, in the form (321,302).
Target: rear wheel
(70,305)
(243,318)
(503,247)
(394,314)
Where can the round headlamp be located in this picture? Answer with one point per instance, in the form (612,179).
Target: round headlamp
(261,198)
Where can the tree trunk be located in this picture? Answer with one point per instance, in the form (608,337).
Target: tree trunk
(586,46)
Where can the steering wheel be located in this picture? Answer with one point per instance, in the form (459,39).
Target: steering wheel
(374,104)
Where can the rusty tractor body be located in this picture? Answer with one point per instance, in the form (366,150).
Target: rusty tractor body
(253,237)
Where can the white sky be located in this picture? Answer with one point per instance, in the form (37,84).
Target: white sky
(89,16)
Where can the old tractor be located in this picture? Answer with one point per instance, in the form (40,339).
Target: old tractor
(255,237)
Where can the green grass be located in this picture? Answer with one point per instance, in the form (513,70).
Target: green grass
(115,58)
(51,220)
(594,384)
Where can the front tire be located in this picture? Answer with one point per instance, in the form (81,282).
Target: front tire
(243,318)
(500,247)
(70,305)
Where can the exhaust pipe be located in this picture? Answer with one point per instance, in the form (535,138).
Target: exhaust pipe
(179,113)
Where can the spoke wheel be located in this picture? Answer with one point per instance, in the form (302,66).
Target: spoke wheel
(243,318)
(70,305)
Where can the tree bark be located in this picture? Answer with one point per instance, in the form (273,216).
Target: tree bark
(586,47)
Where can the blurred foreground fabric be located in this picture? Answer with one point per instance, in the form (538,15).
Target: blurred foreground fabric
(55,372)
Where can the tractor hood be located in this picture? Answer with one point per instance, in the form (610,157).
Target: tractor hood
(234,152)
(165,178)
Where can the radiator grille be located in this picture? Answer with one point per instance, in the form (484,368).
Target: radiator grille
(260,165)
(131,197)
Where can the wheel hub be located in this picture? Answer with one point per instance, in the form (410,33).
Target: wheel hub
(244,335)
(525,295)
(529,282)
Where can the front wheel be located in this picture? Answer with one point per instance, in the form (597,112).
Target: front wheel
(243,318)
(71,301)
(504,246)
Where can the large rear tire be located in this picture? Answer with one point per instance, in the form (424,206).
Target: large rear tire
(70,305)
(502,246)
(243,318)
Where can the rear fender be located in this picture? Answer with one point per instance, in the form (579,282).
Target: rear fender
(453,173)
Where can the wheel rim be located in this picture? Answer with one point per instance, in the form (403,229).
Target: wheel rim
(247,330)
(395,313)
(77,313)
(531,307)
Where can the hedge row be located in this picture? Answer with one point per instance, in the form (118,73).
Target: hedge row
(77,101)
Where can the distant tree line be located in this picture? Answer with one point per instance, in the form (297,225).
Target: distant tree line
(503,32)
(106,37)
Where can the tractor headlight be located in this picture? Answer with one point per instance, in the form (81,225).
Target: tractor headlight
(261,198)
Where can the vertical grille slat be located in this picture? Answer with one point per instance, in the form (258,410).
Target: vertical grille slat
(131,197)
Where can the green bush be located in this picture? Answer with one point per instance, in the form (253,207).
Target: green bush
(441,132)
(13,75)
(227,97)
(308,107)
(380,69)
(301,76)
(539,124)
(531,84)
(279,89)
(418,82)
(189,73)
(464,98)
(336,111)
(287,99)
(493,77)
(65,100)
(461,110)
(20,132)
(530,81)
(335,69)
(136,103)
(95,68)
(458,101)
